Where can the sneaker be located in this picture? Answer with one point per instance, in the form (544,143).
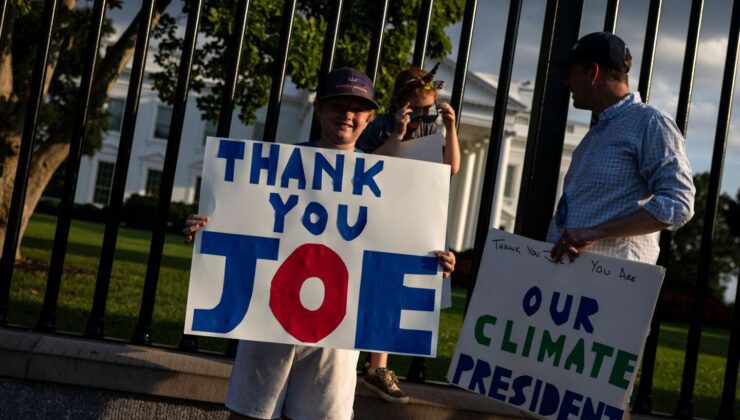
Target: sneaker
(385,384)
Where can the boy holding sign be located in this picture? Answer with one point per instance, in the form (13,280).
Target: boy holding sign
(272,380)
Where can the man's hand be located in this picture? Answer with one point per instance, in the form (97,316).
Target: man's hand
(572,240)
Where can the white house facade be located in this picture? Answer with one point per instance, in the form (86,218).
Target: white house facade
(152,127)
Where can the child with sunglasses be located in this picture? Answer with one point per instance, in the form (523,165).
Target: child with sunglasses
(410,116)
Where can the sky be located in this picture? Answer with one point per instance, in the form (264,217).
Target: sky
(488,36)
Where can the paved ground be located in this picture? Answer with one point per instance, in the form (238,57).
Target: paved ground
(20,399)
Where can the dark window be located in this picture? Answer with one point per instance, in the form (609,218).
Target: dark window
(153,179)
(162,128)
(103,182)
(114,107)
(509,183)
(196,196)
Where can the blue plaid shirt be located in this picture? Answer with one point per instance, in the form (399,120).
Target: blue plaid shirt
(633,158)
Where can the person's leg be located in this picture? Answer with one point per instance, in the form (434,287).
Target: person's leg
(322,384)
(383,381)
(259,380)
(377,360)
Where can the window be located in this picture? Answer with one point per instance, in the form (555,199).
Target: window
(103,182)
(114,107)
(153,179)
(259,130)
(570,128)
(196,196)
(209,131)
(523,120)
(509,182)
(162,127)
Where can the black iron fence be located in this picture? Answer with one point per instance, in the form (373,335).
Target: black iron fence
(540,174)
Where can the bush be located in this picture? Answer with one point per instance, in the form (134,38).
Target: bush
(139,212)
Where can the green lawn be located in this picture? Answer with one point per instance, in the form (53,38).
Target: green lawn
(126,285)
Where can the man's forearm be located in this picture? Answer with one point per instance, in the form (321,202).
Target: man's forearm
(639,222)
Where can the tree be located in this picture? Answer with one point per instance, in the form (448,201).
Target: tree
(681,276)
(66,60)
(64,68)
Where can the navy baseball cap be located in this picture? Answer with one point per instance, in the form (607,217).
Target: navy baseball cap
(602,48)
(347,81)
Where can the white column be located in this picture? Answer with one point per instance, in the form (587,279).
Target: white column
(475,190)
(462,201)
(498,195)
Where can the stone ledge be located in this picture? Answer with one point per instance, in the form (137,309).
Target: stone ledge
(164,373)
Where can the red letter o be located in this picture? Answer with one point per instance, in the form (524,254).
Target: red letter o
(310,260)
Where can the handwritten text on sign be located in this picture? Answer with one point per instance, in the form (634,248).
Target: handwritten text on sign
(557,340)
(312,246)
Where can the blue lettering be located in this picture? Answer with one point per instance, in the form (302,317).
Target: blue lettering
(518,386)
(481,372)
(613,413)
(364,178)
(351,232)
(497,382)
(587,307)
(383,296)
(334,172)
(550,400)
(242,253)
(281,209)
(560,317)
(268,163)
(568,406)
(590,412)
(530,307)
(464,364)
(317,227)
(294,170)
(231,151)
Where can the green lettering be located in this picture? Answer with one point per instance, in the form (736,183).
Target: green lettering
(552,348)
(576,357)
(528,341)
(600,351)
(507,345)
(480,325)
(622,366)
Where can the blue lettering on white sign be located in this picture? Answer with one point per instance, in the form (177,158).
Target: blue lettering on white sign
(383,296)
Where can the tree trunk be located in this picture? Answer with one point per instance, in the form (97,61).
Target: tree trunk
(51,154)
(9,150)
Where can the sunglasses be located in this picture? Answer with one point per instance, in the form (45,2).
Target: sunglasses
(427,119)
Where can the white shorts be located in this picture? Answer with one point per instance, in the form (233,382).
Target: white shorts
(271,380)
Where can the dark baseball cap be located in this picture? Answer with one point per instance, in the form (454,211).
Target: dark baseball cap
(602,48)
(347,81)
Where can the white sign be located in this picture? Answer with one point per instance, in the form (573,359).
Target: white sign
(312,246)
(555,339)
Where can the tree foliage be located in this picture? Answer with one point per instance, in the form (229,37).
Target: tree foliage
(304,58)
(682,269)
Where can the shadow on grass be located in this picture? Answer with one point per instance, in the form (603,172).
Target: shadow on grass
(93,251)
(72,321)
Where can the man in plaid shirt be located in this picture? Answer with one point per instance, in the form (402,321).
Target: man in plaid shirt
(629,177)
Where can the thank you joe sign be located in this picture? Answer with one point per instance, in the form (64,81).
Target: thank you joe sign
(312,246)
(558,340)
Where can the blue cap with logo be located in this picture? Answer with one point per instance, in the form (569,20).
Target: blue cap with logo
(602,48)
(347,81)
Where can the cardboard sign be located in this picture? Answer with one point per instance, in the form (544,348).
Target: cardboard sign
(428,148)
(312,246)
(555,339)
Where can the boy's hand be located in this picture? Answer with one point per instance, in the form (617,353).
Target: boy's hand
(193,224)
(402,117)
(446,260)
(448,114)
